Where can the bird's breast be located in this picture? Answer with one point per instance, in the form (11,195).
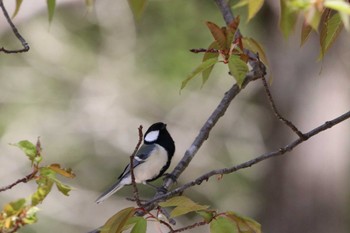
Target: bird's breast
(152,166)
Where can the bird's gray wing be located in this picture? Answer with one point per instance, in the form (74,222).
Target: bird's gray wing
(140,157)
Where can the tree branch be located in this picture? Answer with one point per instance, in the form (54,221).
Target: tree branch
(281,151)
(15,31)
(22,180)
(277,114)
(225,10)
(132,156)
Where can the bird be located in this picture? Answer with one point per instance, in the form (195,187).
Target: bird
(150,162)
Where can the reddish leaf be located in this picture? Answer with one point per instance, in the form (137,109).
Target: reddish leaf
(64,172)
(288,18)
(218,35)
(305,33)
(230,31)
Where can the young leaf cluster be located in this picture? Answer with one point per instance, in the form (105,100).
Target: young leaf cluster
(325,16)
(231,46)
(21,212)
(328,17)
(228,221)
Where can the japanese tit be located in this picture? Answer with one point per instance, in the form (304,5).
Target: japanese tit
(150,162)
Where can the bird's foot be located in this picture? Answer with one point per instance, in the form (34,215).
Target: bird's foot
(170,176)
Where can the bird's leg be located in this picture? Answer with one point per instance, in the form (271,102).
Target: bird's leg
(170,176)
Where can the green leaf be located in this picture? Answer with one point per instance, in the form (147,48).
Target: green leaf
(14,207)
(202,67)
(207,215)
(313,17)
(28,148)
(51,5)
(46,172)
(340,6)
(137,7)
(241,3)
(223,225)
(218,35)
(183,205)
(18,5)
(238,69)
(31,217)
(116,223)
(206,73)
(330,31)
(288,18)
(255,47)
(140,226)
(305,33)
(63,188)
(44,188)
(343,8)
(253,8)
(131,222)
(244,224)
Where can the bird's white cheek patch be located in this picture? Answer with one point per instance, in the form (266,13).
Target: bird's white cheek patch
(152,136)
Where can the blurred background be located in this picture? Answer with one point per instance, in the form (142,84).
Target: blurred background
(91,78)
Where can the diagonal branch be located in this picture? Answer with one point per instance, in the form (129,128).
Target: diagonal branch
(277,114)
(22,180)
(15,31)
(281,151)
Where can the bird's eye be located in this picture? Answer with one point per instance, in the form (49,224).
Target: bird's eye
(152,136)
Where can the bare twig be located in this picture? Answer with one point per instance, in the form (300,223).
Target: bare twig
(201,50)
(22,180)
(15,31)
(277,114)
(136,193)
(281,151)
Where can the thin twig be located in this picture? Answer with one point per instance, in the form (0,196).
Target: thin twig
(281,151)
(277,114)
(22,180)
(136,193)
(201,50)
(15,31)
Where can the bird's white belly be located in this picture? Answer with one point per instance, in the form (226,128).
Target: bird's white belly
(152,166)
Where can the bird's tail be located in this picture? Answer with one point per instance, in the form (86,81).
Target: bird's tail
(109,192)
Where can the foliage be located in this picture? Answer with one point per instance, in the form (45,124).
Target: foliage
(51,7)
(229,44)
(21,212)
(229,221)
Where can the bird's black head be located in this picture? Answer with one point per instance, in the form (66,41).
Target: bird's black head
(157,133)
